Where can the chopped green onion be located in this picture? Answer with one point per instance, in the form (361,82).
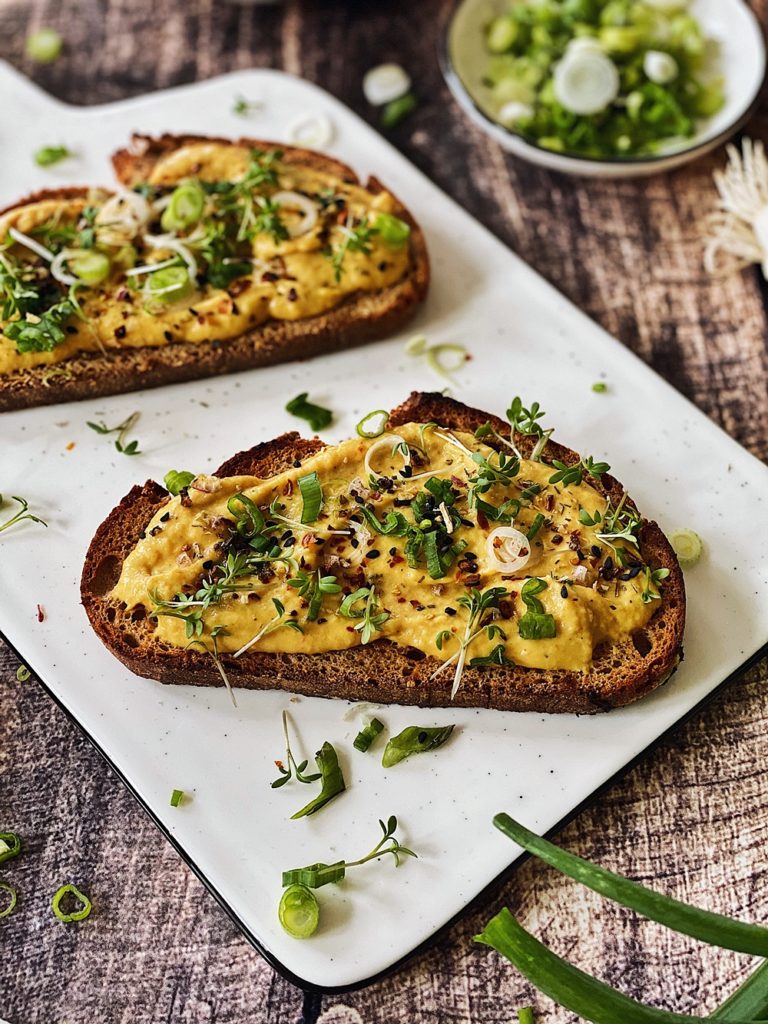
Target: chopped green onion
(76,915)
(437,362)
(367,735)
(316,415)
(416,346)
(315,875)
(331,781)
(600,387)
(185,207)
(699,924)
(392,231)
(567,985)
(687,545)
(299,911)
(536,525)
(248,518)
(432,554)
(10,846)
(47,156)
(89,265)
(12,898)
(312,497)
(22,674)
(378,430)
(176,480)
(169,284)
(397,110)
(414,740)
(44,45)
(503,33)
(525,1015)
(749,1001)
(176,797)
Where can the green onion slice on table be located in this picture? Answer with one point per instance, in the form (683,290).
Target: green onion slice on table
(12,899)
(10,846)
(75,915)
(299,911)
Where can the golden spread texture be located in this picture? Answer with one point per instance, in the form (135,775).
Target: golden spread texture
(280,278)
(582,596)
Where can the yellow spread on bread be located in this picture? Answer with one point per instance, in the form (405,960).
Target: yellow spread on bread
(288,279)
(190,536)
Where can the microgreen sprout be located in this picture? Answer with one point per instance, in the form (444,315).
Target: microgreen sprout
(242,106)
(316,875)
(293,769)
(653,579)
(312,587)
(575,474)
(122,430)
(213,651)
(372,619)
(479,605)
(332,781)
(22,514)
(357,238)
(536,624)
(278,622)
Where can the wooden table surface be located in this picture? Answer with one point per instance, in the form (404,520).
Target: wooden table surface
(692,818)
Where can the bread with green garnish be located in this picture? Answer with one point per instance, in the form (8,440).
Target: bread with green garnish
(225,256)
(382,669)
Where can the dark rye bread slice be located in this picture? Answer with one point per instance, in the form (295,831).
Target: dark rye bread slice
(361,317)
(382,671)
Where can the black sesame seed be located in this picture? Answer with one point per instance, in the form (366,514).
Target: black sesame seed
(393,551)
(208,563)
(166,334)
(596,550)
(297,463)
(563,591)
(450,611)
(373,553)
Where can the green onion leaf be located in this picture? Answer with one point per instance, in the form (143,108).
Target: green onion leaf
(397,110)
(75,915)
(12,898)
(378,428)
(10,846)
(535,526)
(600,387)
(392,231)
(699,924)
(299,911)
(367,735)
(414,740)
(176,480)
(315,875)
(525,1015)
(47,156)
(312,497)
(432,555)
(331,781)
(176,797)
(44,45)
(315,415)
(248,518)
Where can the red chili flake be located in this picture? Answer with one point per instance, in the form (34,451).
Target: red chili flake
(40,613)
(457,482)
(482,519)
(307,539)
(396,560)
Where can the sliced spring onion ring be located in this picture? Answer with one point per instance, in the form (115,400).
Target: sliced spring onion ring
(185,207)
(515,111)
(30,243)
(76,915)
(660,67)
(172,282)
(176,797)
(313,130)
(12,898)
(10,846)
(508,550)
(123,214)
(382,415)
(416,346)
(388,441)
(385,83)
(586,82)
(311,496)
(436,359)
(304,206)
(687,545)
(172,243)
(44,45)
(299,911)
(89,266)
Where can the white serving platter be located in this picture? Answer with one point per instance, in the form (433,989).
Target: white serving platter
(525,338)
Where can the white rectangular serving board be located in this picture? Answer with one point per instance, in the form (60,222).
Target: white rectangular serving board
(524,338)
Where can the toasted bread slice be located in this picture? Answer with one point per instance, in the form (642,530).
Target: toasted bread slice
(383,671)
(361,316)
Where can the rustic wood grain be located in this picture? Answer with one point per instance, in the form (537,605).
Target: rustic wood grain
(692,819)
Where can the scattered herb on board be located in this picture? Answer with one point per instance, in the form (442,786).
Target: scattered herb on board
(243,107)
(10,846)
(22,514)
(599,387)
(176,797)
(331,781)
(367,735)
(414,740)
(122,430)
(286,774)
(22,674)
(315,415)
(47,156)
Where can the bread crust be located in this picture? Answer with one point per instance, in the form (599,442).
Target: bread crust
(382,671)
(360,318)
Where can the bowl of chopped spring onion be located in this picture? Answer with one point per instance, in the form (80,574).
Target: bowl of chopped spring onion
(607,88)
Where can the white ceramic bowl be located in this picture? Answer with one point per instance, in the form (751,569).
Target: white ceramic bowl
(742,61)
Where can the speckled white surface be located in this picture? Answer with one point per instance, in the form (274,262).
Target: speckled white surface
(525,338)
